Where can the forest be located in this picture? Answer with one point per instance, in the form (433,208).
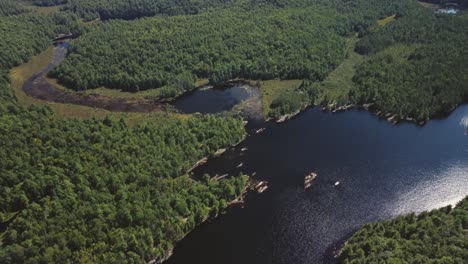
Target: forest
(98,190)
(156,52)
(413,68)
(122,9)
(283,40)
(417,65)
(49,2)
(9,8)
(103,191)
(253,41)
(438,236)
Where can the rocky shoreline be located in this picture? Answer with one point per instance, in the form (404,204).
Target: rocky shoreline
(252,186)
(334,108)
(217,153)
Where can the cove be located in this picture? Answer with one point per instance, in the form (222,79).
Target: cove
(384,170)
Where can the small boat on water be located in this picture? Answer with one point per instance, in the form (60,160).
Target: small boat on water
(308,179)
(260,186)
(244,149)
(337,183)
(258,131)
(240,165)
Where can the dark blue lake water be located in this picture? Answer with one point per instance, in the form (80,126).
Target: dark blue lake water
(213,100)
(384,170)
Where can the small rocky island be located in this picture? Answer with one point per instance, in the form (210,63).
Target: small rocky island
(259,186)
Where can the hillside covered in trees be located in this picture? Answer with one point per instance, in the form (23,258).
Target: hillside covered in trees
(417,65)
(438,236)
(257,40)
(412,68)
(123,9)
(155,52)
(97,190)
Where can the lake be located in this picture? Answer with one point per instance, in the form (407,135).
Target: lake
(384,170)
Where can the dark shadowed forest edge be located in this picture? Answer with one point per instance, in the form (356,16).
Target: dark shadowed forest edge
(104,187)
(438,236)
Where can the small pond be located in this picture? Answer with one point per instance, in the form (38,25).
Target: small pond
(212,100)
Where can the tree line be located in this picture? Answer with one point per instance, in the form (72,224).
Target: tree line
(417,65)
(438,236)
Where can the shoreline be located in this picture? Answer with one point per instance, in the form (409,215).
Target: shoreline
(395,119)
(237,201)
(215,154)
(39,87)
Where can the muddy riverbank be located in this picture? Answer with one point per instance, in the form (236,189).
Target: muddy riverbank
(38,87)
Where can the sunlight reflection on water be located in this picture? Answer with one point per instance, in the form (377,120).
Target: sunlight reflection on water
(440,189)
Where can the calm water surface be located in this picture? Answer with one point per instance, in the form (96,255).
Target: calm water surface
(384,170)
(213,100)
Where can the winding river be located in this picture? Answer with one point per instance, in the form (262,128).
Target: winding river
(38,87)
(384,170)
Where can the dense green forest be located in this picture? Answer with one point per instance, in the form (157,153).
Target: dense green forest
(434,237)
(8,8)
(155,52)
(253,41)
(417,65)
(413,69)
(99,191)
(81,191)
(49,2)
(124,9)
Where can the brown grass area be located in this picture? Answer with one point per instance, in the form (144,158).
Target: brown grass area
(272,89)
(116,93)
(385,21)
(20,74)
(429,5)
